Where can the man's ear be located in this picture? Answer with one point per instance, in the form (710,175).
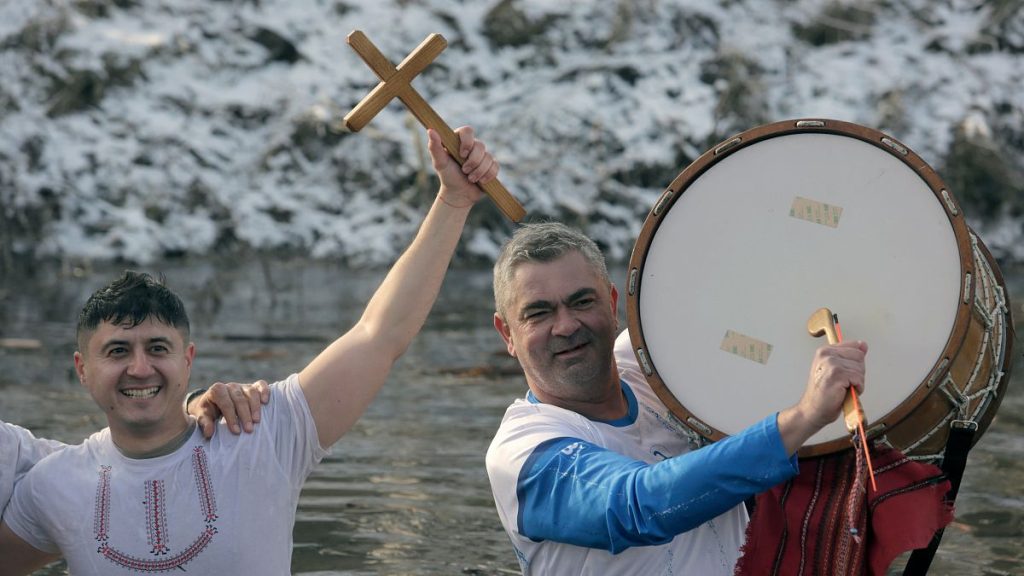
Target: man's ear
(506,334)
(80,367)
(615,305)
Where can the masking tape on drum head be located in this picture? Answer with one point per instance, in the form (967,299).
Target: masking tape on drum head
(817,212)
(746,347)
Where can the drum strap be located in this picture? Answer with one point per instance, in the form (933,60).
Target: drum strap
(961,435)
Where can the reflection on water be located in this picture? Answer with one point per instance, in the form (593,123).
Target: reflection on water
(405,491)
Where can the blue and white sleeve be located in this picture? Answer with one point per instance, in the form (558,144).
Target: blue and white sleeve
(575,492)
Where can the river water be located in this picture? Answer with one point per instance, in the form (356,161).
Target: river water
(405,492)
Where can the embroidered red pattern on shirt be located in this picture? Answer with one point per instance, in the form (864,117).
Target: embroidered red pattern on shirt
(101,513)
(206,498)
(156,518)
(156,521)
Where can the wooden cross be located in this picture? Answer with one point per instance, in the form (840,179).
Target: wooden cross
(397,82)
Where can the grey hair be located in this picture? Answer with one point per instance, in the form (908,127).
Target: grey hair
(540,242)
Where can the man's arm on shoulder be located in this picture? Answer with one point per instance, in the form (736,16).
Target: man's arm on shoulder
(239,404)
(342,381)
(573,491)
(19,557)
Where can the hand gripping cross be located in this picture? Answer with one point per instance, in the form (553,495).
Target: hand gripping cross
(397,82)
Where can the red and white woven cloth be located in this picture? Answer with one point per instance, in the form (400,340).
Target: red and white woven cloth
(821,523)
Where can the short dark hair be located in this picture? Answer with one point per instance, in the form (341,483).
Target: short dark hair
(132,298)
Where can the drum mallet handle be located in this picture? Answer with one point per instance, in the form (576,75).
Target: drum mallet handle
(823,321)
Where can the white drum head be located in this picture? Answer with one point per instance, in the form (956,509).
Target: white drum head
(767,234)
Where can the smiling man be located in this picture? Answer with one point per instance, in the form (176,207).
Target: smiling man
(590,471)
(148,493)
(239,404)
(134,357)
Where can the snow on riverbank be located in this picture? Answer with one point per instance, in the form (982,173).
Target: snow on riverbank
(135,129)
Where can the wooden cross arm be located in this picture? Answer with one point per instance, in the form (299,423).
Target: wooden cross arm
(396,82)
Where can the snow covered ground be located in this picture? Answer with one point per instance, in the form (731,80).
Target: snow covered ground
(136,129)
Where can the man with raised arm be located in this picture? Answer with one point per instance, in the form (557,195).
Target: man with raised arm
(148,494)
(591,473)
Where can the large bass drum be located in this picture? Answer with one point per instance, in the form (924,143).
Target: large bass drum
(774,223)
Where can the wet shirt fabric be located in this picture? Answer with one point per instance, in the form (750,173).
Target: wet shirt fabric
(19,452)
(630,496)
(220,506)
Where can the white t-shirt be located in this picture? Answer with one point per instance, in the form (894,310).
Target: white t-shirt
(647,435)
(19,452)
(220,506)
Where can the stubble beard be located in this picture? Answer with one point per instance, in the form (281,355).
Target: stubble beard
(586,379)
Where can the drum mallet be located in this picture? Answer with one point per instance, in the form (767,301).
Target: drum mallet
(823,321)
(396,82)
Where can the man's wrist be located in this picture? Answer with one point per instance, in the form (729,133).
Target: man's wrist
(193,395)
(459,204)
(794,428)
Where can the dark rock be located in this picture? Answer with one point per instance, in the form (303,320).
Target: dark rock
(279,48)
(508,25)
(979,175)
(837,22)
